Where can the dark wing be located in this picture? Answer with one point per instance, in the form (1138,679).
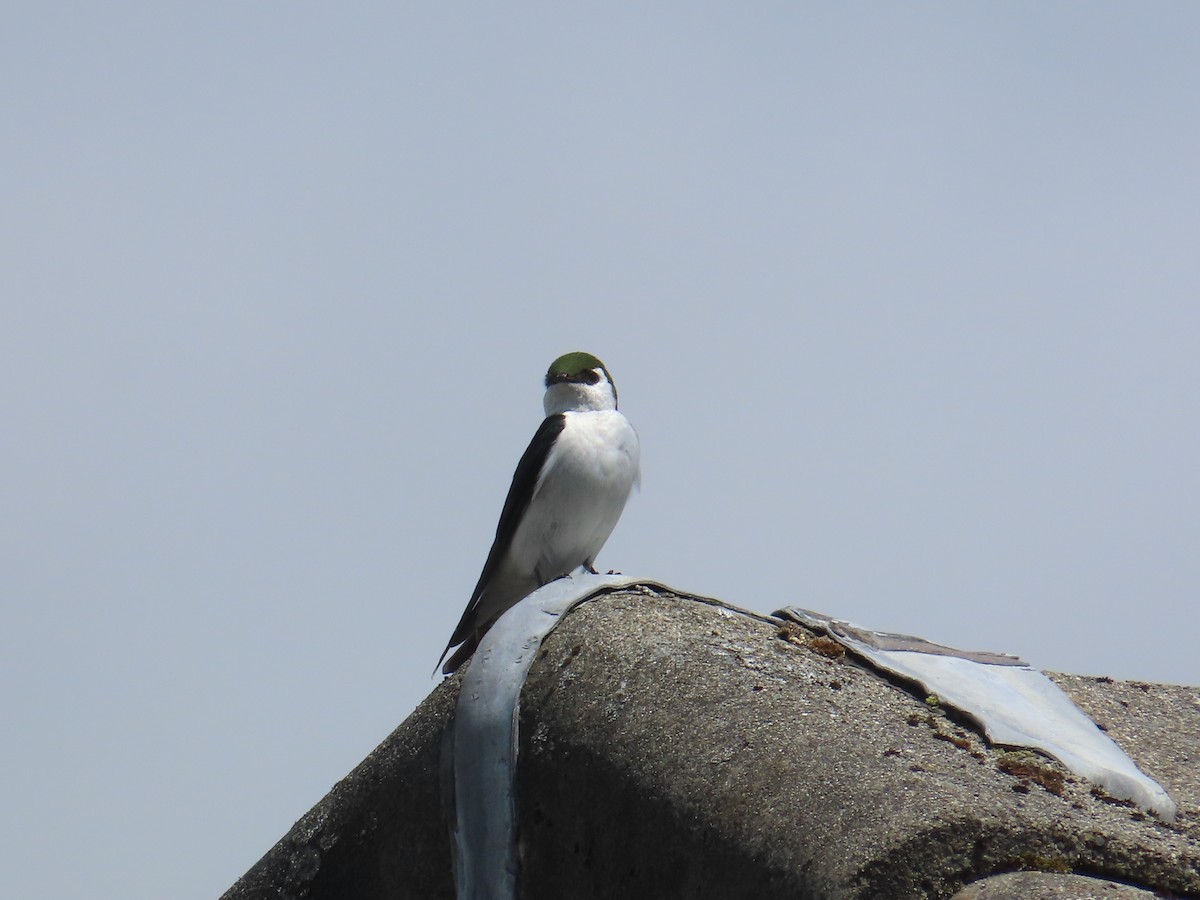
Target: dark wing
(520,493)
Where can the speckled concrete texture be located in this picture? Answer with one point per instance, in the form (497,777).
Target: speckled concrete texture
(380,833)
(1045,886)
(778,766)
(671,748)
(1161,720)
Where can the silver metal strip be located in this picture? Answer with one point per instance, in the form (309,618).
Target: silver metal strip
(1015,705)
(486,735)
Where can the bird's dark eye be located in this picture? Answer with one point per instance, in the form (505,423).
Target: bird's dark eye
(591,376)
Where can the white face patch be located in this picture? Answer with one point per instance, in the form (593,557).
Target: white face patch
(571,396)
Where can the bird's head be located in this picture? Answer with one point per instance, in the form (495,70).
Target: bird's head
(578,381)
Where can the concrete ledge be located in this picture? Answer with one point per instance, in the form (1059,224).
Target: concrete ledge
(671,749)
(1044,886)
(380,833)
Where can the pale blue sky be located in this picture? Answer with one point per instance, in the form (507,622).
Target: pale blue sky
(903,299)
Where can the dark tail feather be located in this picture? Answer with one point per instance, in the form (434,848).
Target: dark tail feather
(460,656)
(446,670)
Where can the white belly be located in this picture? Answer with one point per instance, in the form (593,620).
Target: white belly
(580,494)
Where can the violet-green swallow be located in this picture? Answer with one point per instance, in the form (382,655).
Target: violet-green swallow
(566,496)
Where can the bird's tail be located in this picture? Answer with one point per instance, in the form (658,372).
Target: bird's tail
(461,655)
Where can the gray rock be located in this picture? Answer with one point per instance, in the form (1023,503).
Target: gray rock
(1044,886)
(379,833)
(672,749)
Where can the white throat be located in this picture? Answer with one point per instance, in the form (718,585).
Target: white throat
(572,397)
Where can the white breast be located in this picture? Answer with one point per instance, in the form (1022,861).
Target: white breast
(580,494)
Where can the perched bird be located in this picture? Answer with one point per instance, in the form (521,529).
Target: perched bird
(566,496)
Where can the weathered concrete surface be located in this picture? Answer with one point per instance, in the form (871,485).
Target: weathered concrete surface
(379,833)
(1161,720)
(1045,886)
(671,749)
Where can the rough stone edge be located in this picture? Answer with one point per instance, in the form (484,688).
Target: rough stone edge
(337,848)
(336,843)
(1050,886)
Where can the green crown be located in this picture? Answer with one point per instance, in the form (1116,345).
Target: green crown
(574,363)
